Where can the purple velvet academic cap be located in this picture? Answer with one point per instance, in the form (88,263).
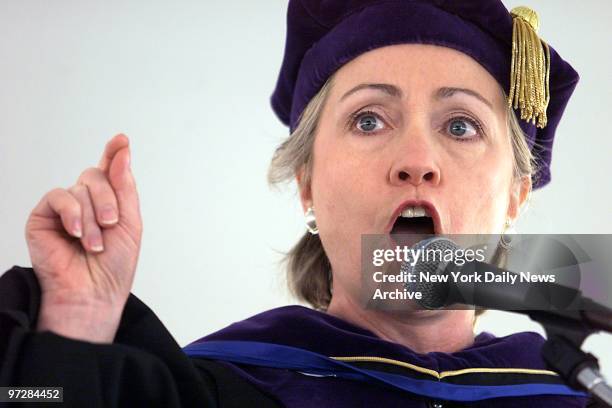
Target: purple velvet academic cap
(322,35)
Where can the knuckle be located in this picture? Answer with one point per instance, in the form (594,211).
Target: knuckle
(89,174)
(77,189)
(102,189)
(55,193)
(98,183)
(62,200)
(80,195)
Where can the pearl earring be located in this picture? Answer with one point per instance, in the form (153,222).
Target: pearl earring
(311,221)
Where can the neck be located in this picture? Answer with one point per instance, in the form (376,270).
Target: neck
(422,331)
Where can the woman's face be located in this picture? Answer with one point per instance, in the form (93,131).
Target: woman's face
(409,124)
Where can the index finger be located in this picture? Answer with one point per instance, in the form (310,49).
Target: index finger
(117,143)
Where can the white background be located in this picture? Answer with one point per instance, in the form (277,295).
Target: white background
(189,82)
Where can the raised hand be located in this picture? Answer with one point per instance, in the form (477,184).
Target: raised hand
(84,243)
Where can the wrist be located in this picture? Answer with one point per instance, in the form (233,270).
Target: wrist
(79,317)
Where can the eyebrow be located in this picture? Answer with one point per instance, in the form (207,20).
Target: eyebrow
(441,93)
(389,89)
(447,92)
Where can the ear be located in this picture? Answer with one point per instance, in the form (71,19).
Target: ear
(304,189)
(518,196)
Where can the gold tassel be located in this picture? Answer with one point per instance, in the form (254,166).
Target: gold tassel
(530,71)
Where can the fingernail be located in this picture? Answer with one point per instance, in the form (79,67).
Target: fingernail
(76,229)
(108,215)
(95,244)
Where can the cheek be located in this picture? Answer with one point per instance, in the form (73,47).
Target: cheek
(481,195)
(340,188)
(346,185)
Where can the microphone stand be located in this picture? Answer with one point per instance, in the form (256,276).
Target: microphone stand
(562,353)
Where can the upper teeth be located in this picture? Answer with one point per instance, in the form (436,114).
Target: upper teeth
(411,212)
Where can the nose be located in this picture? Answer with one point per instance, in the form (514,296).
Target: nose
(415,163)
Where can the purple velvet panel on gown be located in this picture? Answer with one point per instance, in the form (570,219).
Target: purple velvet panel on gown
(319,332)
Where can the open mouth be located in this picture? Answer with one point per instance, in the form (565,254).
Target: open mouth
(415,225)
(415,219)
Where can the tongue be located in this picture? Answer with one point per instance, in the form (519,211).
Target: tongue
(419,225)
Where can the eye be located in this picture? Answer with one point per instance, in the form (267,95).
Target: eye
(463,128)
(367,122)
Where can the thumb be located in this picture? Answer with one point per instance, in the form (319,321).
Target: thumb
(123,183)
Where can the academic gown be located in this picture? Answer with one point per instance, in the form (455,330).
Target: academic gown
(144,366)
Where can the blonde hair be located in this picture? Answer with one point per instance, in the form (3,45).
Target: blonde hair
(308,267)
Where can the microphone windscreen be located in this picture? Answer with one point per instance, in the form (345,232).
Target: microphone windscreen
(429,261)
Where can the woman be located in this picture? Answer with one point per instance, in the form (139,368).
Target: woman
(394,107)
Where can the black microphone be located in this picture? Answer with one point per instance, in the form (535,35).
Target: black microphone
(521,296)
